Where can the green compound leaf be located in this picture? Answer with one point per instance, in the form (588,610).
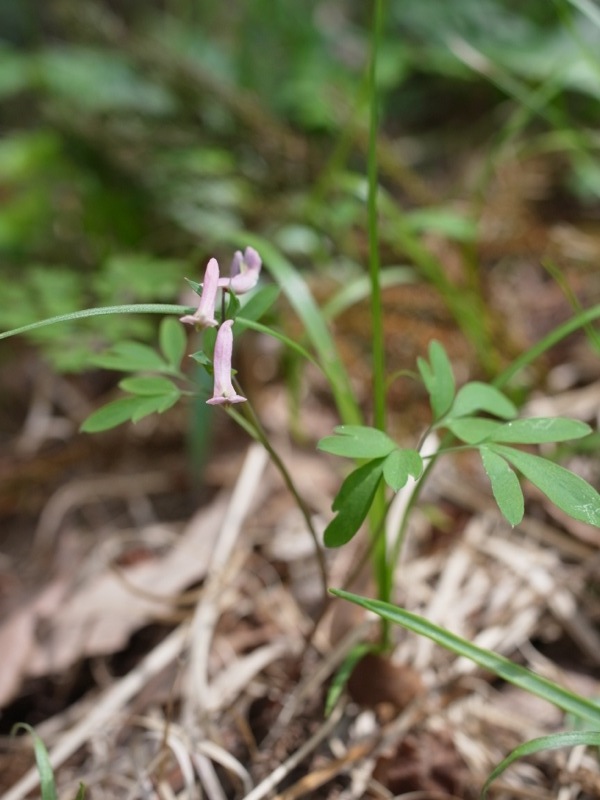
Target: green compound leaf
(148,385)
(477,396)
(399,465)
(172,340)
(126,409)
(552,742)
(155,405)
(353,502)
(537,430)
(505,485)
(130,357)
(566,490)
(42,761)
(357,441)
(438,379)
(472,429)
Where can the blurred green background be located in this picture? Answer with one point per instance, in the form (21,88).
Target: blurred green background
(136,136)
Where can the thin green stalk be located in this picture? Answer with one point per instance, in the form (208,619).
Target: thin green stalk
(251,424)
(373,227)
(383,574)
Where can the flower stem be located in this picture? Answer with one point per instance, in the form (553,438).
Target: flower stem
(250,422)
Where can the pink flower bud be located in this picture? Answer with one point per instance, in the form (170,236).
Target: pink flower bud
(204,316)
(245,271)
(223,392)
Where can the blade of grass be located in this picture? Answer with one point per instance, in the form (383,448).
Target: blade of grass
(497,664)
(42,761)
(548,341)
(552,742)
(138,308)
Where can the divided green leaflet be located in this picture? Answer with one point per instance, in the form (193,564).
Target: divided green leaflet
(538,430)
(505,485)
(399,466)
(472,429)
(438,378)
(353,502)
(566,490)
(477,396)
(148,385)
(357,441)
(130,357)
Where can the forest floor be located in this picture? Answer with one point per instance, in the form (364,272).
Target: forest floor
(157,620)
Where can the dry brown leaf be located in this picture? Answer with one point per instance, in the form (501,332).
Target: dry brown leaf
(100,617)
(18,634)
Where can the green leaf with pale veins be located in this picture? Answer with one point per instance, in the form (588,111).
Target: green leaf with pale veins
(505,485)
(357,441)
(566,490)
(538,430)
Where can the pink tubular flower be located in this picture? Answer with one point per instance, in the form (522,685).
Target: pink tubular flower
(223,392)
(245,270)
(204,316)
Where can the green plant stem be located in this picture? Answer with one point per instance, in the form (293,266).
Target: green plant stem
(251,424)
(373,226)
(383,573)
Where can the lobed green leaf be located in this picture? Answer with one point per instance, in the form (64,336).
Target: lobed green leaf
(505,485)
(537,430)
(130,357)
(477,396)
(154,405)
(438,378)
(357,441)
(472,429)
(399,465)
(353,502)
(125,409)
(148,385)
(567,491)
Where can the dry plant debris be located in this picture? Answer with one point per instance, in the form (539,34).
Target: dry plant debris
(231,700)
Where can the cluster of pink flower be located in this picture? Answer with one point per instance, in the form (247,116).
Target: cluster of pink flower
(244,273)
